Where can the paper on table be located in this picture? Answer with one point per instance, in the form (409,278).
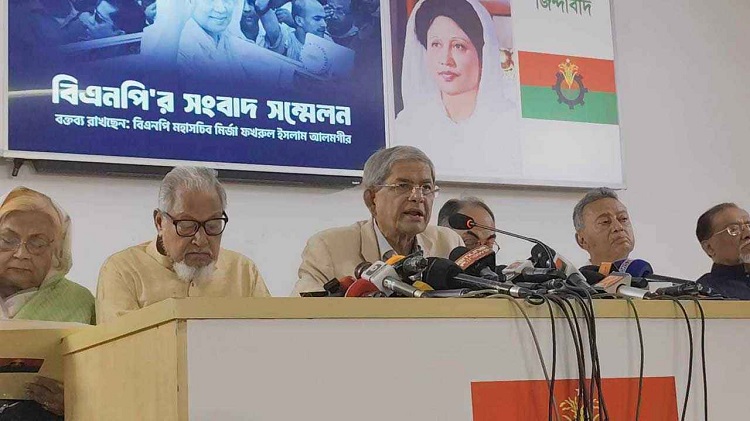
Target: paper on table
(30,348)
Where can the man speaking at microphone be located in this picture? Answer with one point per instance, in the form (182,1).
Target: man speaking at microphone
(603,226)
(399,191)
(724,234)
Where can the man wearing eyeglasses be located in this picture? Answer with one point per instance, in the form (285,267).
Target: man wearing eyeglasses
(399,191)
(185,259)
(724,234)
(476,209)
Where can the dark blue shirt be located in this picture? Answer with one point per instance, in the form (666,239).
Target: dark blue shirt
(730,281)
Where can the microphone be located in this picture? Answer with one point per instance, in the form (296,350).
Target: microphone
(402,288)
(688,288)
(363,288)
(423,286)
(619,283)
(592,277)
(407,266)
(541,259)
(479,261)
(524,271)
(446,293)
(607,268)
(377,272)
(544,287)
(444,274)
(361,268)
(332,288)
(338,287)
(639,268)
(460,221)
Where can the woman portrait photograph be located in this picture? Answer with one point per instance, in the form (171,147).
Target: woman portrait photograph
(456,91)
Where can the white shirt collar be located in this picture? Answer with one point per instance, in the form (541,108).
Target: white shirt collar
(383,245)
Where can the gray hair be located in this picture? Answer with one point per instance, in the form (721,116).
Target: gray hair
(590,197)
(455,206)
(192,179)
(378,166)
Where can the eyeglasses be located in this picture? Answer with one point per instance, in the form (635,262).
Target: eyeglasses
(34,245)
(190,227)
(473,242)
(733,229)
(403,189)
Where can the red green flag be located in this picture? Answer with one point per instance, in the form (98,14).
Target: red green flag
(528,399)
(567,88)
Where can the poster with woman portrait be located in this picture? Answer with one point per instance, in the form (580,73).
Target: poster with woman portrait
(515,92)
(455,86)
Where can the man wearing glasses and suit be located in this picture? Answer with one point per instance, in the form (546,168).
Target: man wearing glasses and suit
(185,259)
(724,234)
(399,191)
(477,210)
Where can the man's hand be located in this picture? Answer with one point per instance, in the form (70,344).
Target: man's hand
(284,16)
(49,394)
(329,11)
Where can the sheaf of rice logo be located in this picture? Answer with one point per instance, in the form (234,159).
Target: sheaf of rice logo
(568,73)
(573,411)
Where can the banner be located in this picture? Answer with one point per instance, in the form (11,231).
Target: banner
(267,85)
(529,399)
(503,92)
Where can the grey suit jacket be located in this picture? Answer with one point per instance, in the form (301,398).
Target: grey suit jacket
(335,252)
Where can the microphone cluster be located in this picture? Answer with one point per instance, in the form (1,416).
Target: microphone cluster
(474,273)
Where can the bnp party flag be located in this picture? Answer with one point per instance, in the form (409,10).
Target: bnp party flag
(529,400)
(567,88)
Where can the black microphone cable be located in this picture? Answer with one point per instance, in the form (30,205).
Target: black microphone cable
(575,332)
(587,307)
(690,362)
(585,315)
(551,381)
(643,352)
(587,394)
(595,359)
(552,401)
(703,351)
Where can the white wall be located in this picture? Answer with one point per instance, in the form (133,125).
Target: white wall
(683,75)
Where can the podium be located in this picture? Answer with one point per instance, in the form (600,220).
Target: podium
(389,359)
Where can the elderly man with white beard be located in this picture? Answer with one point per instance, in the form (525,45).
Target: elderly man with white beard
(185,259)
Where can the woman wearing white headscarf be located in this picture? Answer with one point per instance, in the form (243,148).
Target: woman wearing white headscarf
(459,107)
(35,256)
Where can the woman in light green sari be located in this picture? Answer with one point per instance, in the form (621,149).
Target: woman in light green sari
(35,256)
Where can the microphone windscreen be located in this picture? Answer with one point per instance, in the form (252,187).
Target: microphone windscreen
(388,254)
(591,268)
(540,257)
(635,267)
(592,276)
(476,258)
(360,269)
(346,282)
(440,273)
(457,252)
(460,221)
(361,287)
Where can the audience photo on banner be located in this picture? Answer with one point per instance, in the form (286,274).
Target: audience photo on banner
(456,90)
